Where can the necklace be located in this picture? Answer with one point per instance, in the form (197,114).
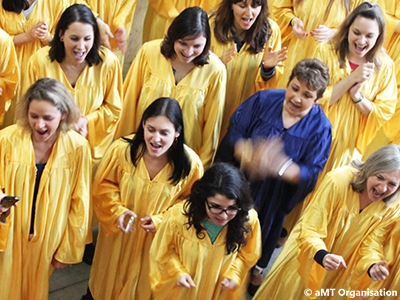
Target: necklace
(178,76)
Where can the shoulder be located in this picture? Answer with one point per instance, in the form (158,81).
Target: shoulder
(107,56)
(270,97)
(41,55)
(215,63)
(342,176)
(274,25)
(319,117)
(12,134)
(193,156)
(75,137)
(151,46)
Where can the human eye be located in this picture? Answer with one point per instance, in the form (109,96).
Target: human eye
(74,38)
(356,32)
(48,118)
(32,116)
(88,38)
(182,42)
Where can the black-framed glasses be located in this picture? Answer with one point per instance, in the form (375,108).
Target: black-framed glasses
(230,211)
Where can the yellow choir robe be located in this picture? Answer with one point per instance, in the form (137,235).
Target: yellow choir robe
(312,13)
(116,14)
(201,95)
(120,267)
(9,72)
(98,93)
(333,222)
(61,215)
(352,131)
(161,13)
(243,72)
(176,250)
(381,244)
(390,133)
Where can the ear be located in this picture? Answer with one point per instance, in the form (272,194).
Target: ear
(61,36)
(177,134)
(317,100)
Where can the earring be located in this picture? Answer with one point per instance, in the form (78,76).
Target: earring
(175,143)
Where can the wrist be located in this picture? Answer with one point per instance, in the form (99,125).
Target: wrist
(291,23)
(284,167)
(358,99)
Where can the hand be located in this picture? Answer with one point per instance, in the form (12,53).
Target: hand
(185,281)
(39,31)
(274,58)
(58,265)
(332,262)
(120,37)
(228,284)
(322,33)
(81,126)
(105,33)
(122,220)
(298,29)
(379,272)
(228,54)
(147,224)
(363,72)
(5,209)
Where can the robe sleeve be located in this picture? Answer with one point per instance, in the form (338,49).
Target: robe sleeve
(165,8)
(249,254)
(313,231)
(371,252)
(213,109)
(9,71)
(103,121)
(283,13)
(107,203)
(133,84)
(165,264)
(72,245)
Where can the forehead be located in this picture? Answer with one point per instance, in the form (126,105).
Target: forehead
(80,28)
(41,106)
(221,200)
(302,84)
(159,122)
(391,175)
(194,39)
(365,25)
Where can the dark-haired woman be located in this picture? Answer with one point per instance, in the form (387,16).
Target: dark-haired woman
(141,175)
(206,245)
(249,44)
(90,72)
(306,23)
(181,66)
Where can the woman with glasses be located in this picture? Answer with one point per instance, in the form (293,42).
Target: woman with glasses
(205,246)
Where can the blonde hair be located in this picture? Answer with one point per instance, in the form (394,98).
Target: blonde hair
(53,91)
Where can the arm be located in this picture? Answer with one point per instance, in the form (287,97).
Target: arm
(133,84)
(213,111)
(283,11)
(39,31)
(72,244)
(103,121)
(249,254)
(9,71)
(166,266)
(107,202)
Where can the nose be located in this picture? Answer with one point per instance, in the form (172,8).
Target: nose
(156,137)
(40,124)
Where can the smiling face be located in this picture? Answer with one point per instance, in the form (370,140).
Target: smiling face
(220,202)
(299,98)
(188,48)
(382,185)
(362,37)
(159,135)
(78,40)
(44,119)
(245,15)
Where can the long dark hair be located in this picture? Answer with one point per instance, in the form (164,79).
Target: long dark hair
(76,13)
(227,180)
(340,41)
(169,108)
(256,36)
(191,22)
(16,6)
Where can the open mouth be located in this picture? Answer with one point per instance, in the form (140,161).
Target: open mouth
(155,147)
(360,49)
(376,193)
(247,21)
(79,55)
